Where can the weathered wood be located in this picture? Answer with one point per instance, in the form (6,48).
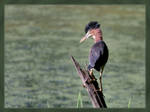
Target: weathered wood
(96,96)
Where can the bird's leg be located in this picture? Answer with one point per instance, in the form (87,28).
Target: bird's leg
(100,78)
(91,74)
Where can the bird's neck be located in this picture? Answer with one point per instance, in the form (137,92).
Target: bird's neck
(98,36)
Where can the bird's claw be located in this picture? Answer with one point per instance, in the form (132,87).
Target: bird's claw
(84,85)
(100,90)
(93,80)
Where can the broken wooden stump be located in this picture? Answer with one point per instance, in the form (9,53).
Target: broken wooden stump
(92,87)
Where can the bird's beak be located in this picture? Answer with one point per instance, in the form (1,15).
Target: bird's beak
(85,37)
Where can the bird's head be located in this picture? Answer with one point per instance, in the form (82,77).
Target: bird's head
(91,30)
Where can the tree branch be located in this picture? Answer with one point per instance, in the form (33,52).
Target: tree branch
(96,96)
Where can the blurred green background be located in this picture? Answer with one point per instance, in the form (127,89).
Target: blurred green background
(39,40)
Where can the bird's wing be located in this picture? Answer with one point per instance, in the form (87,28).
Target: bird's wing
(95,54)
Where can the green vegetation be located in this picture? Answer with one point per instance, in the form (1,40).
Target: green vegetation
(39,40)
(79,101)
(129,103)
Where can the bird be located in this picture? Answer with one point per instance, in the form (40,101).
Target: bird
(98,55)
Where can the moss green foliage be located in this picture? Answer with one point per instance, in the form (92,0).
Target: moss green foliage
(39,40)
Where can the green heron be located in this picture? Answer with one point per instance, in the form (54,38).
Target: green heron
(99,52)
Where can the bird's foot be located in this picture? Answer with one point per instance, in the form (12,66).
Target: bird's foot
(93,80)
(100,90)
(92,75)
(84,85)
